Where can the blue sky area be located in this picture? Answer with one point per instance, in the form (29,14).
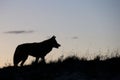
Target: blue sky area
(79,25)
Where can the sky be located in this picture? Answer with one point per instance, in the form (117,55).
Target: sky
(80,26)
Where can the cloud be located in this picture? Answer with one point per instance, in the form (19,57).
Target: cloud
(19,32)
(75,37)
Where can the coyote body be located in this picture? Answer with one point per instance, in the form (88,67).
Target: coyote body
(38,50)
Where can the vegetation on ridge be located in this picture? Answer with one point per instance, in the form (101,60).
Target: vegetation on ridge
(71,66)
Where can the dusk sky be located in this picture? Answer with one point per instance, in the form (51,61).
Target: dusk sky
(79,25)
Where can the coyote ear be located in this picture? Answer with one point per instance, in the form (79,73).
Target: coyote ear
(53,36)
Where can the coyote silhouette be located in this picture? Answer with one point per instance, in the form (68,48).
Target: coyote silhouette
(37,50)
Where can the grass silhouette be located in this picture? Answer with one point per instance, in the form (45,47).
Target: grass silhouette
(72,68)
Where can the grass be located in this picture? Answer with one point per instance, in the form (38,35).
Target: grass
(71,68)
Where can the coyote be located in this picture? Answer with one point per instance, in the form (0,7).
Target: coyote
(37,50)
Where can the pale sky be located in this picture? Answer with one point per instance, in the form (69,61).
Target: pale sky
(79,25)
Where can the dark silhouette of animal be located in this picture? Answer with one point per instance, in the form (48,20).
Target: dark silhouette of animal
(38,50)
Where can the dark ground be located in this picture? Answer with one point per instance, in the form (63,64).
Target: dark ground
(71,68)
